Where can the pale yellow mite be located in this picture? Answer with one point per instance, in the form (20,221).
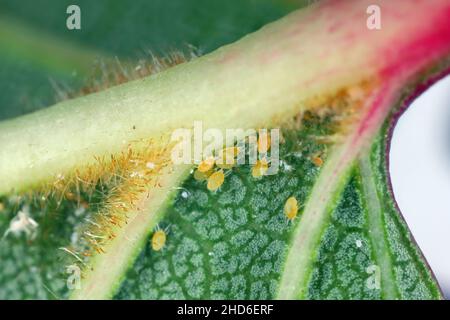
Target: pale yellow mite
(263,142)
(260,168)
(317,160)
(215,180)
(206,164)
(158,240)
(291,208)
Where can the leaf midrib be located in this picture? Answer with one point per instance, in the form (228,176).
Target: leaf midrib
(376,228)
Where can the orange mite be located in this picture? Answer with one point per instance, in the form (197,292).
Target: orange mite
(158,240)
(291,208)
(317,161)
(215,180)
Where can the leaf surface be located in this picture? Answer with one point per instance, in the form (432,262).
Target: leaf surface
(348,240)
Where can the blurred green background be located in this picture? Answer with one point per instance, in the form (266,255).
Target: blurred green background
(37,50)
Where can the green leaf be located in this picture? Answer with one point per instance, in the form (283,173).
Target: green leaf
(232,244)
(348,240)
(31,42)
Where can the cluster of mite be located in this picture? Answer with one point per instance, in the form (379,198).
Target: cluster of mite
(127,175)
(342,107)
(214,168)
